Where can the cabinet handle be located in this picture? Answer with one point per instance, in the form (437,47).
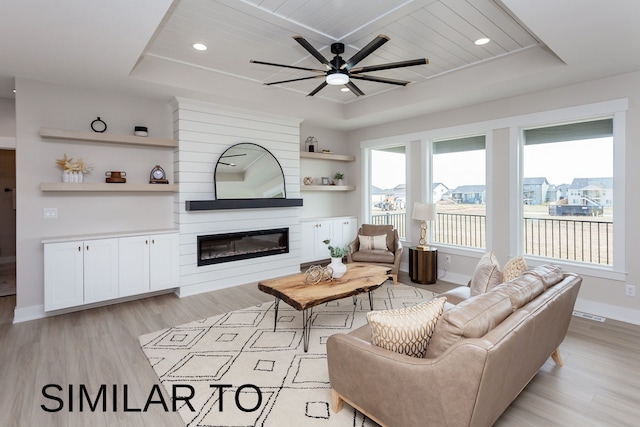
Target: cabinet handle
(87,247)
(146,242)
(153,241)
(79,248)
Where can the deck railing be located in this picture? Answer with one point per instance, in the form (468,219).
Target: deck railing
(571,239)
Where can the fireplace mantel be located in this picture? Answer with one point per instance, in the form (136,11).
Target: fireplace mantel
(208,205)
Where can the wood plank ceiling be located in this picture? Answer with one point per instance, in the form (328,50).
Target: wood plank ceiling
(237,31)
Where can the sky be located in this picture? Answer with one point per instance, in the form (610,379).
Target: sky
(559,162)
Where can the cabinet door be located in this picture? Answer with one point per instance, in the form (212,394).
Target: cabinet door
(63,281)
(133,265)
(344,231)
(164,261)
(100,270)
(323,231)
(307,237)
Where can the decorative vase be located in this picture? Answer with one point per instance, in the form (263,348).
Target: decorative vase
(66,176)
(337,268)
(340,182)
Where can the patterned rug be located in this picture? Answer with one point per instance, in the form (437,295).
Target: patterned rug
(231,351)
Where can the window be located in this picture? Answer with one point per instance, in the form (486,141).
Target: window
(388,187)
(459,191)
(567,192)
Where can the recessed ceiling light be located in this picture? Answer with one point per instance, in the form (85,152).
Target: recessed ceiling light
(199,46)
(482,41)
(345,89)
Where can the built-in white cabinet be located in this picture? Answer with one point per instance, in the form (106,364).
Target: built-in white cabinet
(148,263)
(340,230)
(78,272)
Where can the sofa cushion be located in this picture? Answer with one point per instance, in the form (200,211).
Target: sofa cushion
(514,268)
(376,255)
(486,275)
(457,294)
(368,243)
(472,318)
(406,330)
(521,290)
(549,274)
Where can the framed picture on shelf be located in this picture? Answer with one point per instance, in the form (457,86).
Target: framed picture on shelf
(311,145)
(325,180)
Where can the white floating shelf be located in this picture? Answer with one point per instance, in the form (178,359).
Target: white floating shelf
(105,187)
(327,187)
(327,156)
(72,135)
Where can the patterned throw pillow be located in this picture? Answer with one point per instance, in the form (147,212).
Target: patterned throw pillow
(487,274)
(406,330)
(368,243)
(514,268)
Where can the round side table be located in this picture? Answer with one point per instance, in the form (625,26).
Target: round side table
(423,265)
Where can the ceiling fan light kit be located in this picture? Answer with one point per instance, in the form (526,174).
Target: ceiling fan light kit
(336,77)
(340,72)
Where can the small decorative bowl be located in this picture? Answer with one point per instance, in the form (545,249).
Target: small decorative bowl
(307,180)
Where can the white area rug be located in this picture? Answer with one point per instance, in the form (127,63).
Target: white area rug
(240,347)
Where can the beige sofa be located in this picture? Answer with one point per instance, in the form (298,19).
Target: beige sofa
(481,355)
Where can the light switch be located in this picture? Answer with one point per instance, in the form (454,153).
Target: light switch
(50,213)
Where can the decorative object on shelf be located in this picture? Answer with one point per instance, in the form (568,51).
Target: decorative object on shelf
(337,268)
(115,177)
(311,144)
(424,212)
(316,274)
(98,125)
(325,180)
(140,131)
(339,176)
(325,151)
(73,170)
(307,180)
(158,176)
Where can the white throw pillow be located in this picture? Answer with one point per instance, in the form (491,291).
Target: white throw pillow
(487,274)
(368,243)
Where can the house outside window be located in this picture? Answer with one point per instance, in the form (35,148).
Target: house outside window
(459,165)
(388,187)
(574,220)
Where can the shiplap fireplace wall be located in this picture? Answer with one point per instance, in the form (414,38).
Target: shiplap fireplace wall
(204,131)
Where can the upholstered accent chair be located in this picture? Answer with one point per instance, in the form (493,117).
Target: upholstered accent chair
(369,247)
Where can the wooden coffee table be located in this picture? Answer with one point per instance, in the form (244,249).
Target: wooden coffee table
(358,279)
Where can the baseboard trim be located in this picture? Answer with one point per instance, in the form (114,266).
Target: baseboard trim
(614,312)
(25,314)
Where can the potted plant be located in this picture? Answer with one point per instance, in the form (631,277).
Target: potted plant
(337,268)
(339,176)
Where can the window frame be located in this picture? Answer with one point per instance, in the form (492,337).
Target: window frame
(615,110)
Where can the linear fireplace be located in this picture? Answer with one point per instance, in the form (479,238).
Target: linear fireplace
(217,248)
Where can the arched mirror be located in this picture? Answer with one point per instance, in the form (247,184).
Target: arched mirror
(248,171)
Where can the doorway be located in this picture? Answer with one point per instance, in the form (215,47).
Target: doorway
(7,222)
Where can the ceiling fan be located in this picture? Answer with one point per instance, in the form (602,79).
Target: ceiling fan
(341,72)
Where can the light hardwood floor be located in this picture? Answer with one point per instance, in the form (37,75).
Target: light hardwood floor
(597,386)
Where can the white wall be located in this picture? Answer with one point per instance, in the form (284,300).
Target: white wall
(41,104)
(204,132)
(604,296)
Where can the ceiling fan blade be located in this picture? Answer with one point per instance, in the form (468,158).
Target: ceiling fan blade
(381,80)
(353,88)
(366,51)
(312,50)
(390,65)
(286,66)
(293,80)
(318,89)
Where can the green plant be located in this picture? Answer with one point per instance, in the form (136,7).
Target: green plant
(338,175)
(336,251)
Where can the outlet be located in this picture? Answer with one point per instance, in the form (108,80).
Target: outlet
(447,261)
(630,290)
(50,213)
